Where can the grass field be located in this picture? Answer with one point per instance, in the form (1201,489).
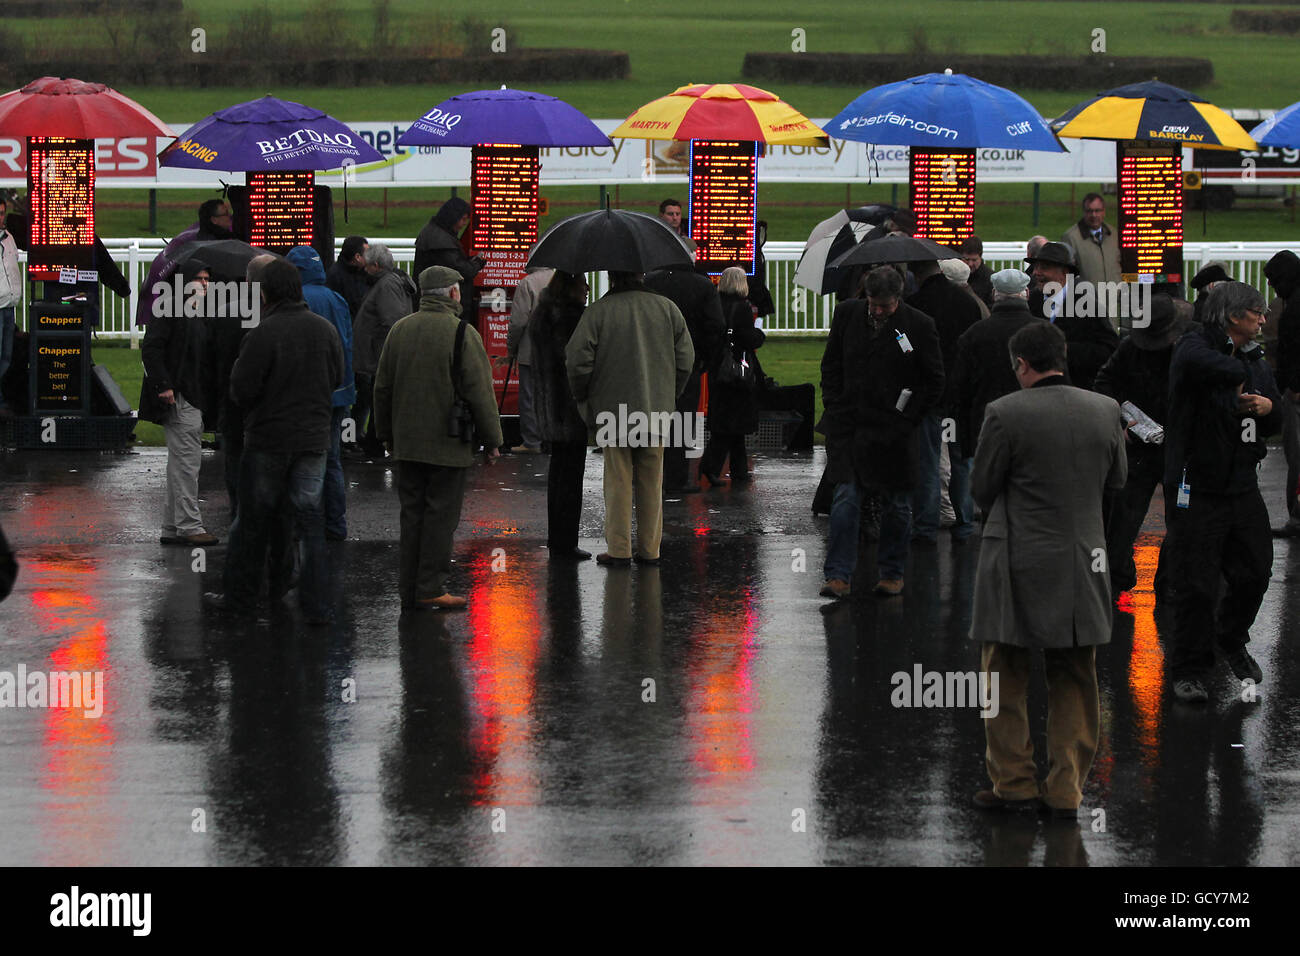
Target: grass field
(789,361)
(671,42)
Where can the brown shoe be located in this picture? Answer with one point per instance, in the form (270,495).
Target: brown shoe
(201,539)
(444,602)
(609,561)
(988,800)
(835,588)
(889,587)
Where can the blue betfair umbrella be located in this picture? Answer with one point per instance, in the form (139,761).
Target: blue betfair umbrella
(1282,130)
(944,110)
(503,116)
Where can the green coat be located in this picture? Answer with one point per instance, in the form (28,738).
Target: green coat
(632,349)
(413,388)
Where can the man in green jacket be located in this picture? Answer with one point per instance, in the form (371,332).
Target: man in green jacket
(414,392)
(628,360)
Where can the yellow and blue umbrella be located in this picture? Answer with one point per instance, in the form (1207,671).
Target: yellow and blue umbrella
(1153,111)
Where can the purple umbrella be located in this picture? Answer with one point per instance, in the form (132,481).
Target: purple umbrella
(164,265)
(503,116)
(266,135)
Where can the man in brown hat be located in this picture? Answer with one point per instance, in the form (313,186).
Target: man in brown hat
(1090,337)
(1138,373)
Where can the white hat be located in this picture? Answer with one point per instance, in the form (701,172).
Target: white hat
(956,270)
(1010,281)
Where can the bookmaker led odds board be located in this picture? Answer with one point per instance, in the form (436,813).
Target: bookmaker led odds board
(279,210)
(504,195)
(723,203)
(1150,223)
(61,202)
(943,194)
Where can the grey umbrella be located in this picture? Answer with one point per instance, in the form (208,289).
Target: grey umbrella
(612,240)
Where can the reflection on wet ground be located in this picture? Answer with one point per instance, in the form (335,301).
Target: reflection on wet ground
(711,710)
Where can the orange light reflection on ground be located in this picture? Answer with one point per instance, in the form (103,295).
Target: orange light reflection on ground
(1146,669)
(720,698)
(503,657)
(78,748)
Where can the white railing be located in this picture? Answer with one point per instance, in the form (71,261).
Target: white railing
(798,311)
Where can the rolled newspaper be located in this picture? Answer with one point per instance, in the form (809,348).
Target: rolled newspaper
(1142,425)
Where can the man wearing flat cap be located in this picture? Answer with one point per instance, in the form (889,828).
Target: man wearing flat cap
(980,371)
(1090,339)
(429,359)
(1138,373)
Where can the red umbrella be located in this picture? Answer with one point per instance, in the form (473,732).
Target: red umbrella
(75,109)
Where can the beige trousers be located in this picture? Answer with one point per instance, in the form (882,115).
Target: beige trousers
(1073,722)
(634,473)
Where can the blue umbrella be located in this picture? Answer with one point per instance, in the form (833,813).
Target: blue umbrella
(503,116)
(941,110)
(268,135)
(1282,130)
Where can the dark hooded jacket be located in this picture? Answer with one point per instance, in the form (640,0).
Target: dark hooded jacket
(1283,273)
(437,245)
(393,296)
(1204,436)
(328,304)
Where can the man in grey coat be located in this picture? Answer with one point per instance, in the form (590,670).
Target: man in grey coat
(1046,455)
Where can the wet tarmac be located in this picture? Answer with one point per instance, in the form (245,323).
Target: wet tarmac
(713,710)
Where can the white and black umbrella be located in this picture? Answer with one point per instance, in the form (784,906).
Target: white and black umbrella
(832,238)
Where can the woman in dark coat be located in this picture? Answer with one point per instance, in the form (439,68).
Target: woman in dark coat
(733,410)
(559,422)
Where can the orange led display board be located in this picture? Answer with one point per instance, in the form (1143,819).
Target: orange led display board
(723,203)
(943,194)
(61,202)
(1150,222)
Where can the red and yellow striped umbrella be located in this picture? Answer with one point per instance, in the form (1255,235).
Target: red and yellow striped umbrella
(722,111)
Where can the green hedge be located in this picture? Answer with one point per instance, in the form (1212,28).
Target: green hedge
(1017,72)
(532,66)
(82,8)
(1266,21)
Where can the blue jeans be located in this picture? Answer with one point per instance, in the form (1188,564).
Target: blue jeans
(335,494)
(274,486)
(6,344)
(925,500)
(895,533)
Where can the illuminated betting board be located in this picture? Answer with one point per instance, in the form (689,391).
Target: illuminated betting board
(61,198)
(1150,177)
(723,203)
(943,194)
(503,190)
(280,209)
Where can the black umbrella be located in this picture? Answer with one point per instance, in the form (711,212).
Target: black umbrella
(612,240)
(226,258)
(894,249)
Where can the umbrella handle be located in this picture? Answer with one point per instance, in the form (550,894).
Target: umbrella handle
(505,386)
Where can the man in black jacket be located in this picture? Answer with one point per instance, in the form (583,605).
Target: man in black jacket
(1223,402)
(284,379)
(1138,372)
(1283,274)
(1090,338)
(981,369)
(438,244)
(882,371)
(697,299)
(173,395)
(348,276)
(953,311)
(981,277)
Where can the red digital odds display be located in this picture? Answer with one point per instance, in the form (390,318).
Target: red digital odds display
(61,200)
(503,192)
(724,203)
(1150,177)
(281,209)
(943,194)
